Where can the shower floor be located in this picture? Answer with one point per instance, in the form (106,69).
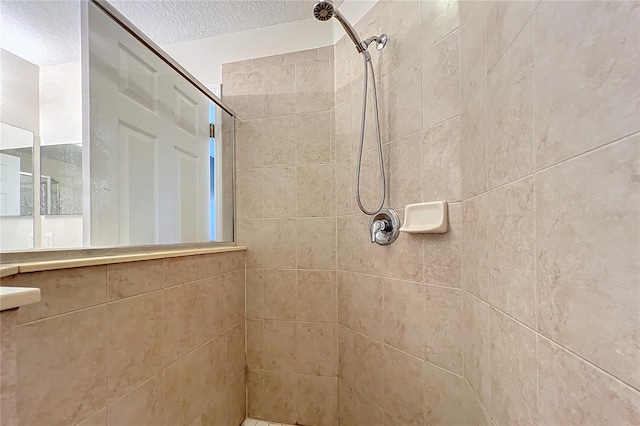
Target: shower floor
(255,422)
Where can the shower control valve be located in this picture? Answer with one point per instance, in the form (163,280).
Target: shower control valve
(384,227)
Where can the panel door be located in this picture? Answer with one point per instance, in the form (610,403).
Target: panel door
(148,144)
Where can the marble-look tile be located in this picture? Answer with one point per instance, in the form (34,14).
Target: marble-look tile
(505,20)
(248,144)
(271,243)
(185,269)
(473,411)
(278,142)
(402,19)
(141,406)
(343,240)
(405,170)
(279,192)
(62,291)
(237,66)
(368,368)
(403,387)
(511,263)
(280,294)
(442,396)
(513,373)
(361,307)
(278,87)
(346,356)
(133,278)
(317,400)
(182,326)
(267,61)
(586,52)
(314,138)
(443,253)
(316,247)
(255,394)
(473,68)
(440,81)
(588,256)
(135,342)
(572,391)
(62,368)
(232,304)
(8,368)
(317,296)
(510,112)
(402,103)
(343,136)
(356,410)
(475,248)
(314,85)
(477,347)
(473,145)
(279,346)
(235,352)
(301,56)
(255,343)
(439,19)
(403,259)
(441,162)
(246,107)
(195,380)
(208,315)
(97,419)
(404,326)
(246,83)
(250,194)
(443,313)
(255,282)
(316,349)
(316,191)
(280,391)
(345,196)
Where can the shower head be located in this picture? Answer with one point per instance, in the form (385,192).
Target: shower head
(325,10)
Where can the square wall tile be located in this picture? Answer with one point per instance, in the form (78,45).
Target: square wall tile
(443,253)
(62,371)
(368,368)
(143,405)
(316,247)
(135,342)
(279,192)
(404,387)
(316,349)
(440,80)
(588,256)
(439,19)
(572,391)
(278,87)
(443,319)
(586,52)
(473,67)
(513,372)
(317,400)
(314,138)
(280,294)
(505,20)
(316,191)
(317,296)
(443,396)
(133,278)
(510,112)
(477,346)
(314,85)
(441,162)
(404,326)
(473,144)
(402,102)
(403,20)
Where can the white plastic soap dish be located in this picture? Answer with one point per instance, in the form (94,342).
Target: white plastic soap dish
(426,218)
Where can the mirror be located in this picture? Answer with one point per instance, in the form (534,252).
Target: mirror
(61,179)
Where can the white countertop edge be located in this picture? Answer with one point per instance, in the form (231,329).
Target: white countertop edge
(14,297)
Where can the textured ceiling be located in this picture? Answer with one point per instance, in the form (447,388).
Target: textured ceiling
(48,32)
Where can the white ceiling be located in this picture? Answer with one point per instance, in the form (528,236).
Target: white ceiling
(47,32)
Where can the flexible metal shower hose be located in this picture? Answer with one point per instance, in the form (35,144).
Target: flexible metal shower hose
(383,182)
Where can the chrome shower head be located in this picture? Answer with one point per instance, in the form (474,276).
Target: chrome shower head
(323,11)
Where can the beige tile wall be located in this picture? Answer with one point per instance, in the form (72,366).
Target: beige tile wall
(157,342)
(286,208)
(524,116)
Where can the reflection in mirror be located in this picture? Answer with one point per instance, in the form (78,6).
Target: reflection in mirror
(61,179)
(16,187)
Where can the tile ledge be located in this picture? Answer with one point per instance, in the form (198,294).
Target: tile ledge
(14,297)
(49,265)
